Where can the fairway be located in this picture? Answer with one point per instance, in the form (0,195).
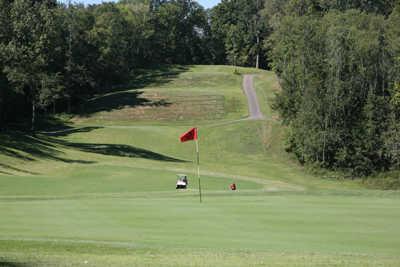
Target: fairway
(101,191)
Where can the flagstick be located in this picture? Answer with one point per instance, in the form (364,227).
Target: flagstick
(198,167)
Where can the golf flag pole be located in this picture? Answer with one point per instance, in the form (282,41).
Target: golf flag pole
(192,135)
(198,167)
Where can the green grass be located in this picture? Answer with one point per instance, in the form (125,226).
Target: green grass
(102,192)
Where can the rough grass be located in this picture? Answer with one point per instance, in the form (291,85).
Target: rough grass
(189,94)
(100,191)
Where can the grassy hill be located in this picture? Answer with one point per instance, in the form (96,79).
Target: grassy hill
(100,191)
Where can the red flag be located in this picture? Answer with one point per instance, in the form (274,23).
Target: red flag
(189,135)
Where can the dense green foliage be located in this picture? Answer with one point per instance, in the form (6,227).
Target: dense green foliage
(53,56)
(338,66)
(238,31)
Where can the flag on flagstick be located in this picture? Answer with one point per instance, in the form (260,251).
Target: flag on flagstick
(189,136)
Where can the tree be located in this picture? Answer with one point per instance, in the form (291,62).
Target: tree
(28,53)
(139,31)
(4,39)
(238,32)
(334,70)
(80,56)
(109,37)
(180,33)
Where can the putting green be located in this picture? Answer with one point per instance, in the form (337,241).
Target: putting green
(104,179)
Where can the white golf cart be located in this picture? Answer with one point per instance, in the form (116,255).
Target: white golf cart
(182,182)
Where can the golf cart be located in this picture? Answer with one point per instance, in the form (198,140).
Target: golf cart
(182,181)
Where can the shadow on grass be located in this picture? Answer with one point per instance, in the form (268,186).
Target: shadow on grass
(129,95)
(119,100)
(120,151)
(68,131)
(46,145)
(4,263)
(25,146)
(9,167)
(5,173)
(154,76)
(29,147)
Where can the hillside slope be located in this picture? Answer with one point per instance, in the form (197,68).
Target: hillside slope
(101,190)
(138,128)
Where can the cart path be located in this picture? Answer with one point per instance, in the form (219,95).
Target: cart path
(254,108)
(248,88)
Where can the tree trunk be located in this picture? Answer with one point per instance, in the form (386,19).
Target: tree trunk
(33,115)
(1,108)
(234,63)
(69,105)
(258,61)
(258,36)
(258,54)
(324,141)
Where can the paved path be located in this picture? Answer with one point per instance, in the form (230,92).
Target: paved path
(248,88)
(254,108)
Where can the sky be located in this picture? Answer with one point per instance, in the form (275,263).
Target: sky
(204,3)
(208,3)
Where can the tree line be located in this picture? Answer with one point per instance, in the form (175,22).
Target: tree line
(54,55)
(338,63)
